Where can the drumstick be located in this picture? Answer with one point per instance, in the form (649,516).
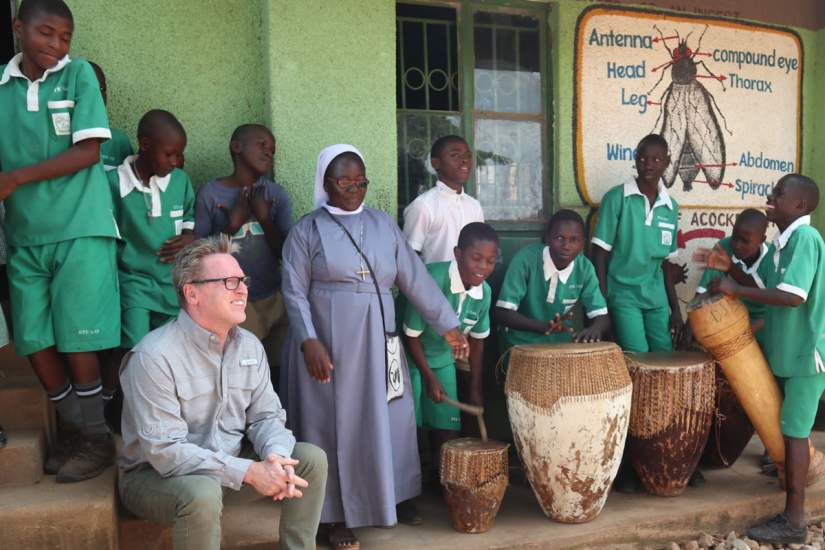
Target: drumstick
(478,412)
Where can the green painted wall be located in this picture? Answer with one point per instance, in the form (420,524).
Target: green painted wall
(331,68)
(201,60)
(319,72)
(814,163)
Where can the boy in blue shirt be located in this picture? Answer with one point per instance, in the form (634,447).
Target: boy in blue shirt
(256,213)
(59,224)
(794,339)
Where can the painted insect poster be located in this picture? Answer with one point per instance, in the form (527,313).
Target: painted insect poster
(725,95)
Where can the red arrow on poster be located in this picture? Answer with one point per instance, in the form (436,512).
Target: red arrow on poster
(668,64)
(701,53)
(658,39)
(703,233)
(720,78)
(654,102)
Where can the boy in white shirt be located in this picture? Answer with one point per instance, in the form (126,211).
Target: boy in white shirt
(434,219)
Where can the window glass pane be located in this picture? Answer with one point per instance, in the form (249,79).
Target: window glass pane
(509,169)
(507,70)
(427,58)
(416,134)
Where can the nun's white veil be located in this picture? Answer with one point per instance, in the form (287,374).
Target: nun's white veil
(326,156)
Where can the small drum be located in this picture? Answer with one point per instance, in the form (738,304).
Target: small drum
(722,326)
(569,407)
(669,423)
(474,474)
(730,430)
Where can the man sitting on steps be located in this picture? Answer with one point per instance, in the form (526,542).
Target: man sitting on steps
(193,389)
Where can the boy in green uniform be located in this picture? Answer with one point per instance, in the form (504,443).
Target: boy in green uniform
(794,339)
(462,281)
(635,234)
(114,151)
(545,281)
(59,224)
(155,211)
(748,256)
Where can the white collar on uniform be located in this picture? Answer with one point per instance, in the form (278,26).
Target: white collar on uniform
(341,212)
(763,251)
(33,93)
(130,182)
(632,188)
(444,188)
(554,274)
(457,285)
(782,239)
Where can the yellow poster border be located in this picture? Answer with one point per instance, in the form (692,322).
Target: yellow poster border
(592,11)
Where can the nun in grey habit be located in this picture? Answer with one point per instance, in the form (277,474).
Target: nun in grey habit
(334,380)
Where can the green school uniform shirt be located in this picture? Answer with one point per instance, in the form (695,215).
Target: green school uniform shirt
(42,119)
(537,289)
(794,341)
(114,151)
(759,271)
(145,281)
(639,237)
(471,306)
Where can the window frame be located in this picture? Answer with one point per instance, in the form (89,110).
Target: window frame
(469,116)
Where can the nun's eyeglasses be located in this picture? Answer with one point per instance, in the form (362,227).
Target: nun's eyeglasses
(348,184)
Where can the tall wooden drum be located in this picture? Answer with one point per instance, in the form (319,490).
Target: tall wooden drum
(569,407)
(730,430)
(673,401)
(474,474)
(722,326)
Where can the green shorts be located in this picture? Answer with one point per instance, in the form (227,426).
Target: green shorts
(654,324)
(65,294)
(428,413)
(802,394)
(137,322)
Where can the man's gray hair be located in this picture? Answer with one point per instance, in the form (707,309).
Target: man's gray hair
(188,262)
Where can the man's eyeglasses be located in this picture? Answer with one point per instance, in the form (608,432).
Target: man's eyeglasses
(231,283)
(347,184)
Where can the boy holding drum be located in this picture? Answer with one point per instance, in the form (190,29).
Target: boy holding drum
(793,341)
(462,281)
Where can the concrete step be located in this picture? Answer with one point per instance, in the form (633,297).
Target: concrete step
(14,366)
(60,516)
(249,522)
(25,406)
(21,461)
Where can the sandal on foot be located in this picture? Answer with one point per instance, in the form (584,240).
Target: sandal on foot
(342,538)
(777,530)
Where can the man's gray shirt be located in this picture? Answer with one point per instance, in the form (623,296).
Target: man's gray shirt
(188,404)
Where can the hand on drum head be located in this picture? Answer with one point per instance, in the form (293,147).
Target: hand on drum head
(716,258)
(723,285)
(587,335)
(557,324)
